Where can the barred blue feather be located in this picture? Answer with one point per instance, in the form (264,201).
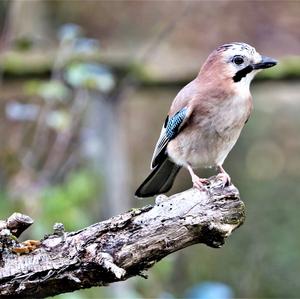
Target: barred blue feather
(174,123)
(169,131)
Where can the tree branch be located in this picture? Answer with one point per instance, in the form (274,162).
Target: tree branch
(123,246)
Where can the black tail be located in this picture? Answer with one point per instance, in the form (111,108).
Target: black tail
(160,180)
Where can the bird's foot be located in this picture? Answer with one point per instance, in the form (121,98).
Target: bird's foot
(225,179)
(200,183)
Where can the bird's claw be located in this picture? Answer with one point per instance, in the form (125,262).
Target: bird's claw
(224,178)
(200,183)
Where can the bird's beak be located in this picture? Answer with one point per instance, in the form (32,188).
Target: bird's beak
(265,63)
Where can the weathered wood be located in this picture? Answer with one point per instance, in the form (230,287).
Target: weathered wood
(123,246)
(17,223)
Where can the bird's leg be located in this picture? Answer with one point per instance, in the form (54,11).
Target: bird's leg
(197,182)
(223,176)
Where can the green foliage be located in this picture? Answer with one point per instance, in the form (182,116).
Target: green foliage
(15,63)
(23,43)
(59,120)
(91,76)
(6,209)
(69,201)
(53,90)
(160,276)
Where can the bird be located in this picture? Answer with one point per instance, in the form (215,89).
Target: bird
(206,118)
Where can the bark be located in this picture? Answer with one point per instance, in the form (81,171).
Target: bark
(123,246)
(16,223)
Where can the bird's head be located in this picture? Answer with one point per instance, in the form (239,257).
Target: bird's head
(236,62)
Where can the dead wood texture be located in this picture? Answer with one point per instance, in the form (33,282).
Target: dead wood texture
(120,247)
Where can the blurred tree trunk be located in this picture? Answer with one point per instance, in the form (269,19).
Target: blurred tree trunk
(108,157)
(103,140)
(28,19)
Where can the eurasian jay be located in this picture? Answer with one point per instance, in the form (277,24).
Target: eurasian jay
(206,118)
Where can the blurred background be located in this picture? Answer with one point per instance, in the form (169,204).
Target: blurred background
(85,87)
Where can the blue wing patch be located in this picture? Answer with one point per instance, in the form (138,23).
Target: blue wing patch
(169,131)
(174,123)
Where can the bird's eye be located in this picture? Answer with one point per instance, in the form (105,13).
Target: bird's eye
(238,60)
